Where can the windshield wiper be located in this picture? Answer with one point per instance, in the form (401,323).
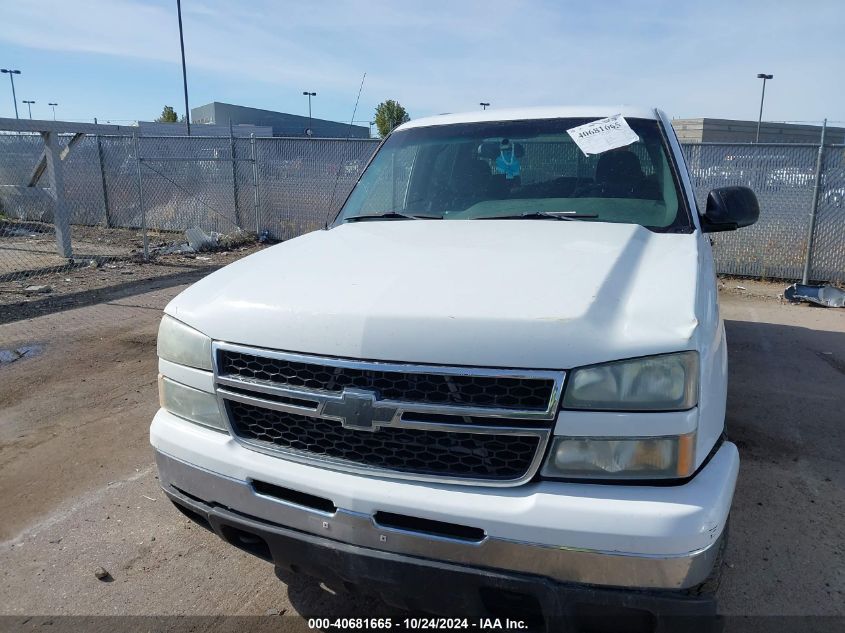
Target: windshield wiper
(542,215)
(392,215)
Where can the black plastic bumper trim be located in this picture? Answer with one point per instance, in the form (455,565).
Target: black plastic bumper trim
(449,589)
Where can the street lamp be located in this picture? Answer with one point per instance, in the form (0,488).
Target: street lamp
(53,105)
(309,95)
(12,74)
(484,105)
(764,77)
(28,105)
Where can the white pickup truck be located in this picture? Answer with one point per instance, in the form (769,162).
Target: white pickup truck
(495,384)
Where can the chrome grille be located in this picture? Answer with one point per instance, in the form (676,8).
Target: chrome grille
(424,422)
(532,394)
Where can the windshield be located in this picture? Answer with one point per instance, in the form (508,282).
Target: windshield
(513,168)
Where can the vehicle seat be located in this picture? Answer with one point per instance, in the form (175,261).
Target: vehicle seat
(619,174)
(472,182)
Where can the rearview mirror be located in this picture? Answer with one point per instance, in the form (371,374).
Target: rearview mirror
(491,149)
(729,208)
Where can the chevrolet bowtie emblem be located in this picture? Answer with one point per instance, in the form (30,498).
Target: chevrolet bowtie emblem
(358,409)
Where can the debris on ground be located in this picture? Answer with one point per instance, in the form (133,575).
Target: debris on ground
(177,248)
(38,290)
(824,295)
(90,263)
(80,285)
(102,574)
(199,240)
(36,279)
(24,351)
(235,239)
(16,232)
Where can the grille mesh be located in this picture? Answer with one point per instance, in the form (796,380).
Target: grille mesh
(466,455)
(531,394)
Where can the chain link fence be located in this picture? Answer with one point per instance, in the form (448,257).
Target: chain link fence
(131,198)
(28,236)
(784,178)
(828,250)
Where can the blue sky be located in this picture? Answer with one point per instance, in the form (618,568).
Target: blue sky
(119,60)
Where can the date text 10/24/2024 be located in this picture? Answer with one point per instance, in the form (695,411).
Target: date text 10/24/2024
(417,624)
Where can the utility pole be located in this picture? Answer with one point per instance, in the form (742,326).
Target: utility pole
(184,70)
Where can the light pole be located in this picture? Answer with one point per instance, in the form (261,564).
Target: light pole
(184,71)
(484,105)
(309,95)
(764,77)
(53,105)
(12,74)
(29,106)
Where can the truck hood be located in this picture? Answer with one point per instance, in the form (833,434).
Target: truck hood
(508,293)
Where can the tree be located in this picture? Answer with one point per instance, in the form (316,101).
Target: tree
(168,115)
(390,114)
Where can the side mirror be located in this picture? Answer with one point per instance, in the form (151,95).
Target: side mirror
(729,208)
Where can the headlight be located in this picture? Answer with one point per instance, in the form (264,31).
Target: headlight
(192,404)
(668,382)
(636,458)
(181,344)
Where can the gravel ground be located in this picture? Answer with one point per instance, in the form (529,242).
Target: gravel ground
(79,491)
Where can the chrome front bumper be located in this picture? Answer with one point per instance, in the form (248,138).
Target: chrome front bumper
(181,480)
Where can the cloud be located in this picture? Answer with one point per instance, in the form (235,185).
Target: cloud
(109,28)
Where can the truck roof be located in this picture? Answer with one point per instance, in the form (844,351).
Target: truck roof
(541,112)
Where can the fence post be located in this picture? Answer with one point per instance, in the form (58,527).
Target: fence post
(103,181)
(141,197)
(234,176)
(61,213)
(255,183)
(812,229)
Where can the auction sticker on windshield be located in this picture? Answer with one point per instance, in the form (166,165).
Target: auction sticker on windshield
(603,135)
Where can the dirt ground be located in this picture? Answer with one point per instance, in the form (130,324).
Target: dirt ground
(107,263)
(26,246)
(78,488)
